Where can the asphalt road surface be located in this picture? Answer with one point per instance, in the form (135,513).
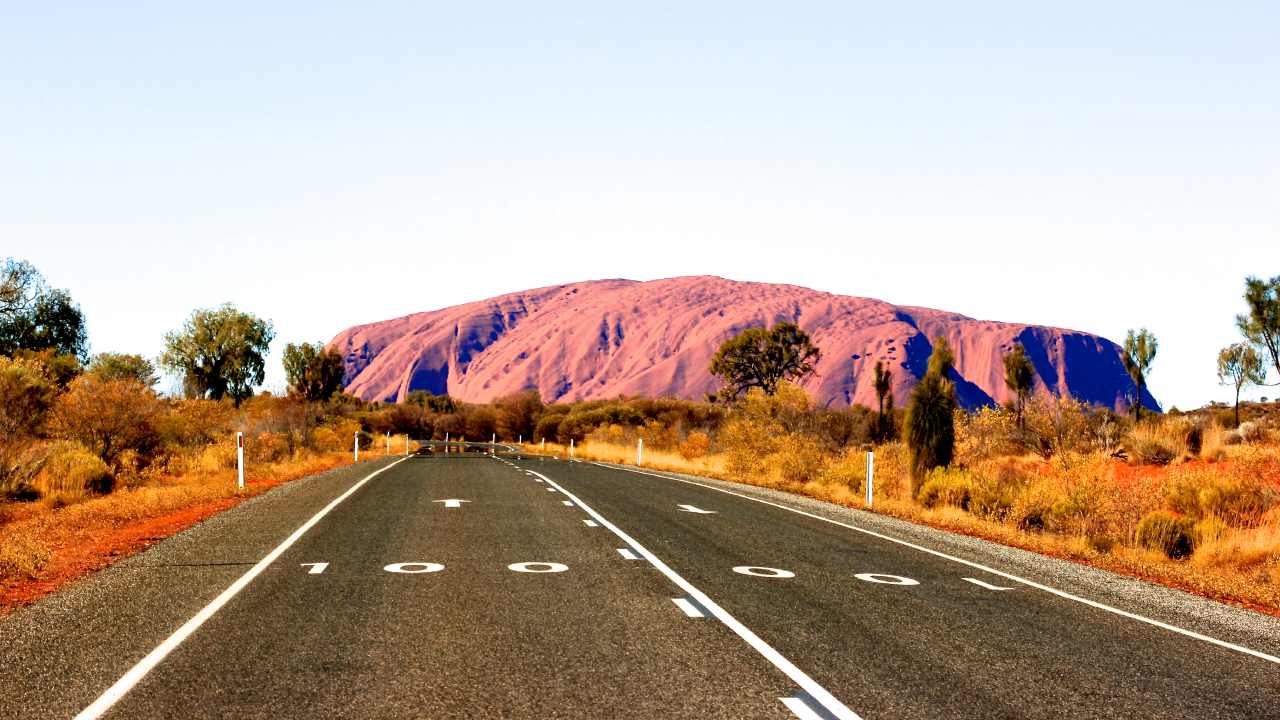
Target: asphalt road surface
(514,587)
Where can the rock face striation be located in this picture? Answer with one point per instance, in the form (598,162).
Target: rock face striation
(610,338)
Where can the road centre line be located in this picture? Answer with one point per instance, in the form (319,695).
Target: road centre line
(1009,576)
(798,676)
(113,694)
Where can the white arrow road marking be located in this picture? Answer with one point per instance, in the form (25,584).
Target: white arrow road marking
(627,554)
(316,568)
(820,695)
(452,503)
(135,674)
(694,510)
(689,608)
(987,585)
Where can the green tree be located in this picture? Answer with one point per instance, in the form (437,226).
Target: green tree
(1139,352)
(124,366)
(35,317)
(219,352)
(312,371)
(930,423)
(762,358)
(1261,325)
(884,398)
(1018,377)
(1239,365)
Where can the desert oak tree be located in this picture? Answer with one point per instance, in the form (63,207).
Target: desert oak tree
(313,372)
(760,358)
(219,352)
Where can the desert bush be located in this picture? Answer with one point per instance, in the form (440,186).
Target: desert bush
(1232,437)
(1055,426)
(948,486)
(1239,498)
(1250,432)
(109,417)
(798,458)
(20,462)
(696,445)
(70,472)
(986,433)
(1171,534)
(266,448)
(848,469)
(26,394)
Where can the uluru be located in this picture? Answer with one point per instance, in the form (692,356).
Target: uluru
(610,338)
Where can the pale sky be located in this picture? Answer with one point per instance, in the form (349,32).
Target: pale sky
(1095,166)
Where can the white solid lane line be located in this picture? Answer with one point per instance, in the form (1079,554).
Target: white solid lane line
(1008,576)
(687,607)
(798,676)
(153,658)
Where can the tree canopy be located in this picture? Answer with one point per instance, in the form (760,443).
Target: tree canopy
(1139,352)
(35,317)
(219,352)
(312,371)
(1261,325)
(760,358)
(1240,365)
(123,366)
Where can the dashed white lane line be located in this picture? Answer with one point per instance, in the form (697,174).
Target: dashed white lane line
(798,676)
(687,607)
(153,658)
(590,523)
(567,503)
(627,554)
(1008,576)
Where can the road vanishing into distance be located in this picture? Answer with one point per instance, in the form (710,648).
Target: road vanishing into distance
(470,586)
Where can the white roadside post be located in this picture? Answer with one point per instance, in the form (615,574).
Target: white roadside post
(640,451)
(388,444)
(520,440)
(571,451)
(240,458)
(493,445)
(406,444)
(544,444)
(446,443)
(357,446)
(871,475)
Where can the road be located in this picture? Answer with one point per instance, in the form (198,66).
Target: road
(516,587)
